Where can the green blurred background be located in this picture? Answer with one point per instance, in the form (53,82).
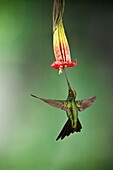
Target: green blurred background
(28,127)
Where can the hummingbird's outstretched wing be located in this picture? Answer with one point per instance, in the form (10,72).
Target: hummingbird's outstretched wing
(68,129)
(84,104)
(61,104)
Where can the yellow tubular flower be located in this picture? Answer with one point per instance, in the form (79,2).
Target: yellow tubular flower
(60,43)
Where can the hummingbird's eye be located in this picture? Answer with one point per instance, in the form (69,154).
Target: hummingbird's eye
(70,91)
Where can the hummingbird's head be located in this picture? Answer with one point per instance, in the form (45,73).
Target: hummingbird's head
(72,93)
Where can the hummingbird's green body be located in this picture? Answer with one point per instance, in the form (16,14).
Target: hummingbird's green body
(73,113)
(71,106)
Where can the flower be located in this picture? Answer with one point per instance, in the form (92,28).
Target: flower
(60,43)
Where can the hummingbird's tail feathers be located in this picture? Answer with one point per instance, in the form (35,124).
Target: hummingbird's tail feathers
(68,129)
(78,127)
(61,104)
(84,104)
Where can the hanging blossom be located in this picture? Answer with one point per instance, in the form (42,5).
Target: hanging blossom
(60,43)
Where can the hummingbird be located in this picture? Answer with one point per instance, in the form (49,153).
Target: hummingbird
(72,107)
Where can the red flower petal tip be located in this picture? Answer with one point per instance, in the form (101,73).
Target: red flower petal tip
(63,64)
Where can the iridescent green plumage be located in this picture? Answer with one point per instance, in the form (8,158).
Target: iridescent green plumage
(71,106)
